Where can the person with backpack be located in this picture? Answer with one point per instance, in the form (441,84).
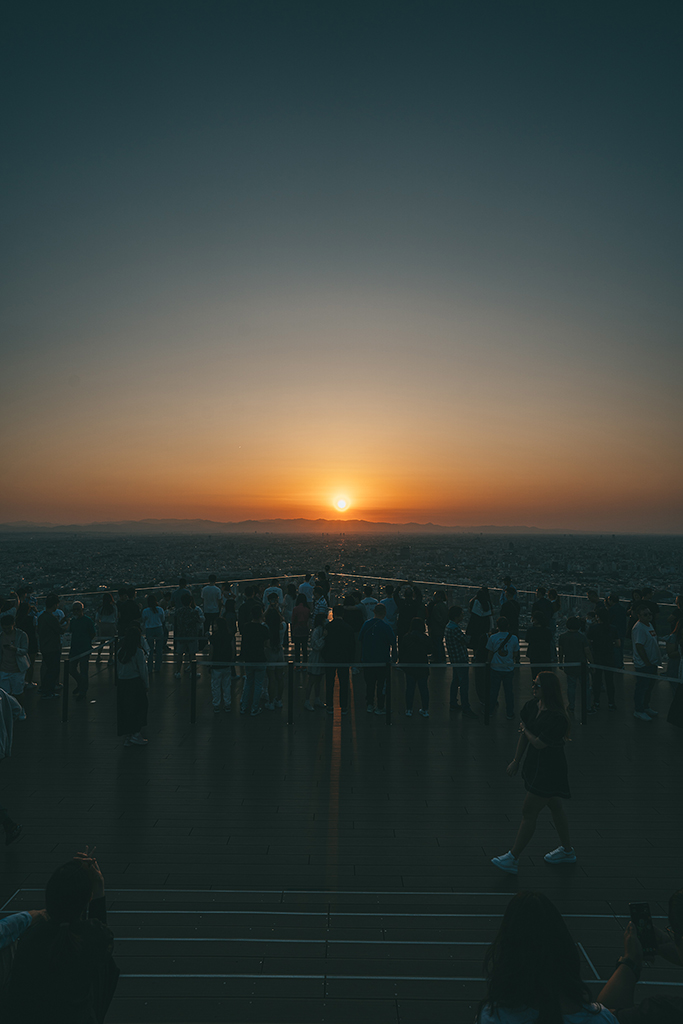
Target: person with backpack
(502,654)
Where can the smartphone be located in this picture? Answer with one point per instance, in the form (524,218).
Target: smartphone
(642,920)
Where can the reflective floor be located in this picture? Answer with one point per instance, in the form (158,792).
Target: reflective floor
(338,869)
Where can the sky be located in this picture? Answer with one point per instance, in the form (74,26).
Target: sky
(424,257)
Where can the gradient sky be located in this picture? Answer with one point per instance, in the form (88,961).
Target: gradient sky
(423,255)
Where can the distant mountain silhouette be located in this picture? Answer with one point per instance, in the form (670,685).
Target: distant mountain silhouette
(208,526)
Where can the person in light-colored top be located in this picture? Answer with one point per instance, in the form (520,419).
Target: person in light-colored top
(153,619)
(533,969)
(106,621)
(646,660)
(368,603)
(211,599)
(306,588)
(274,588)
(132,685)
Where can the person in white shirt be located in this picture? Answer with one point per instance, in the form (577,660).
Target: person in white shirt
(503,651)
(368,603)
(306,588)
(646,661)
(153,619)
(274,588)
(211,600)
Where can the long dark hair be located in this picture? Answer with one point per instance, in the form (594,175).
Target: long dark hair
(107,605)
(533,962)
(152,602)
(132,640)
(67,895)
(484,599)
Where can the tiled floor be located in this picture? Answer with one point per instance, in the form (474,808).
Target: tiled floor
(336,870)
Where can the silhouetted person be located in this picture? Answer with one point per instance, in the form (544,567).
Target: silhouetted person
(338,652)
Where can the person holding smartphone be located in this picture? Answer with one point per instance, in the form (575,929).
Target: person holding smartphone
(619,992)
(63,970)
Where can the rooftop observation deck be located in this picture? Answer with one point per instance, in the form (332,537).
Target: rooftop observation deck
(336,870)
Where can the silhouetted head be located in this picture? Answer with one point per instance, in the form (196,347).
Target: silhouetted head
(533,961)
(69,891)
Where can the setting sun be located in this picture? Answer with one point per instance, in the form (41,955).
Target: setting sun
(341,504)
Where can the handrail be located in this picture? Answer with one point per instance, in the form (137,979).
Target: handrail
(337,575)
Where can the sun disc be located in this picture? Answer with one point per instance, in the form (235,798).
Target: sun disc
(341,504)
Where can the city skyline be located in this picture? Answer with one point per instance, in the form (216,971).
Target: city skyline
(264,257)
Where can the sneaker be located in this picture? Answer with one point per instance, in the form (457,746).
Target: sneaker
(560,856)
(227,707)
(277,703)
(642,716)
(270,705)
(257,711)
(651,712)
(344,711)
(425,714)
(409,712)
(330,711)
(509,717)
(176,675)
(370,708)
(54,696)
(380,711)
(217,710)
(243,711)
(611,707)
(137,740)
(506,863)
(308,705)
(593,710)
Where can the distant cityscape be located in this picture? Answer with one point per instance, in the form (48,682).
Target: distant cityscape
(76,563)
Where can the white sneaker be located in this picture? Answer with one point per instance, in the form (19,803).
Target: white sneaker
(277,703)
(560,856)
(370,708)
(642,716)
(651,713)
(409,712)
(270,706)
(380,711)
(506,863)
(425,714)
(308,705)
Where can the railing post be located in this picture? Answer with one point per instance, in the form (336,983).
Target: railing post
(487,693)
(193,692)
(584,693)
(65,691)
(290,693)
(387,704)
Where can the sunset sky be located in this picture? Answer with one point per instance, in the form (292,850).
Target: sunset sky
(425,257)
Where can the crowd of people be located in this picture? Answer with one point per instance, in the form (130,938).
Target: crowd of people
(57,962)
(261,627)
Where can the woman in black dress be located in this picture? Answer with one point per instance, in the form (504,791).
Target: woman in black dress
(543,733)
